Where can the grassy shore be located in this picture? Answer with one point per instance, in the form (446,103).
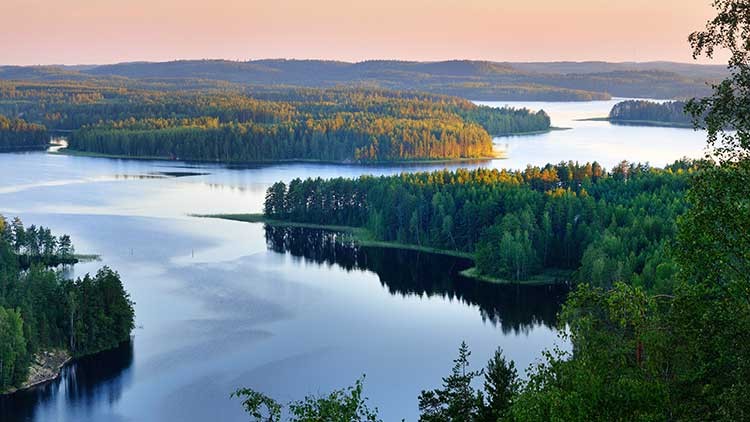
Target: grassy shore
(87,257)
(364,237)
(360,235)
(546,278)
(75,153)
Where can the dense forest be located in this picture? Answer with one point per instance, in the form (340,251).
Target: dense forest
(605,226)
(645,112)
(638,353)
(355,126)
(337,124)
(476,80)
(42,310)
(17,134)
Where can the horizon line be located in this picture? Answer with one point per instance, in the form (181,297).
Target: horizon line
(291,59)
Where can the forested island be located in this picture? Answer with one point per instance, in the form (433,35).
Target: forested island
(19,135)
(231,126)
(45,319)
(650,113)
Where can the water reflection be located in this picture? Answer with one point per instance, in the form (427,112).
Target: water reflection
(83,385)
(513,308)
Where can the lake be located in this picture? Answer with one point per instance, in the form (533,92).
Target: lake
(595,140)
(222,304)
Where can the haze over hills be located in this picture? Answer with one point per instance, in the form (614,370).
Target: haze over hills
(478,80)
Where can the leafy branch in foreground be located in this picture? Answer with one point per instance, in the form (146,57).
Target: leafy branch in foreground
(344,405)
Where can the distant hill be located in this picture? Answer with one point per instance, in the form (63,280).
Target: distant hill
(690,70)
(477,80)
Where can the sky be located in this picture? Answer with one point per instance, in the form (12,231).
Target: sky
(111,31)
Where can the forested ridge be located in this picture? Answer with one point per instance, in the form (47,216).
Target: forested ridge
(232,125)
(40,309)
(17,134)
(476,80)
(604,225)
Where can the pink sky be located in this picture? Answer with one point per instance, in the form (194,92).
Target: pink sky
(108,31)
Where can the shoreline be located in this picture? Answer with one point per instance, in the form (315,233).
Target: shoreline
(30,148)
(648,123)
(497,155)
(545,278)
(362,237)
(359,235)
(531,133)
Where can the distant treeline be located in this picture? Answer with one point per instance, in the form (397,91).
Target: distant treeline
(17,134)
(355,125)
(39,309)
(670,112)
(605,226)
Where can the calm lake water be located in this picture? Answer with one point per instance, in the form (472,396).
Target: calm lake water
(222,304)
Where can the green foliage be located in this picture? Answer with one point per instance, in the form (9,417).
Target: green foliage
(13,355)
(17,134)
(501,385)
(37,244)
(641,357)
(346,405)
(258,405)
(642,110)
(714,235)
(101,312)
(682,356)
(507,122)
(615,370)
(727,106)
(506,249)
(458,401)
(708,350)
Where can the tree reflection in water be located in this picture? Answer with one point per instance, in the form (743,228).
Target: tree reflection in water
(85,383)
(515,308)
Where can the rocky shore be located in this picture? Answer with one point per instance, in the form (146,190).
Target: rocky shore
(46,366)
